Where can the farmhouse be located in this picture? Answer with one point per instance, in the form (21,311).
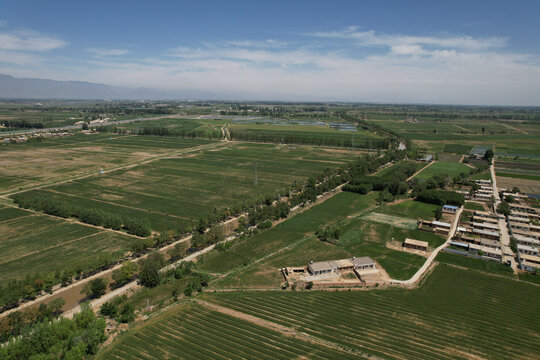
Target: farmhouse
(526,249)
(333,266)
(489,234)
(519,225)
(450,209)
(517,219)
(522,208)
(484,219)
(515,196)
(438,227)
(487,214)
(529,234)
(415,244)
(480,241)
(483,182)
(523,240)
(486,226)
(486,251)
(529,262)
(482,197)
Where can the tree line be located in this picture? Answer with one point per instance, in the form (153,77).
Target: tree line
(139,227)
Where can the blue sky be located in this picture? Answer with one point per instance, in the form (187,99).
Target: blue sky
(459,52)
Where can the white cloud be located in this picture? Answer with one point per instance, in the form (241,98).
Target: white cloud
(107,52)
(29,41)
(372,38)
(432,69)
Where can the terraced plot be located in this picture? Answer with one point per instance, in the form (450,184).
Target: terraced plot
(194,332)
(179,190)
(456,314)
(33,244)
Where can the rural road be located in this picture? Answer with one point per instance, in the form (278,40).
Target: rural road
(508,254)
(421,272)
(422,169)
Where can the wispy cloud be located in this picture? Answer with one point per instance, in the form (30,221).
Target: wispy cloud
(107,52)
(373,38)
(29,41)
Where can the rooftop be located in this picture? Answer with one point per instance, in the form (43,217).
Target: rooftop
(416,242)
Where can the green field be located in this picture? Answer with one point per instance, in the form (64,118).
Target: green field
(411,209)
(454,314)
(448,168)
(473,206)
(288,232)
(33,244)
(195,332)
(457,148)
(295,134)
(178,190)
(255,262)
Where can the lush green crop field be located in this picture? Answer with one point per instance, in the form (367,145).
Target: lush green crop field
(33,244)
(493,267)
(296,134)
(180,190)
(411,209)
(455,314)
(451,169)
(35,163)
(195,332)
(473,206)
(291,231)
(457,148)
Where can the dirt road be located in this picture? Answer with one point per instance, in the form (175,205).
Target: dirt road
(422,271)
(419,171)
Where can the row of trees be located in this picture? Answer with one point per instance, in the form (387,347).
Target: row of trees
(441,197)
(97,217)
(25,124)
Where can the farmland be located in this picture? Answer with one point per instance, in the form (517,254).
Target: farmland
(435,321)
(176,191)
(523,173)
(256,262)
(32,244)
(448,168)
(55,159)
(182,331)
(411,209)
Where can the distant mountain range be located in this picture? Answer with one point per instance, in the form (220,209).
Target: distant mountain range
(27,88)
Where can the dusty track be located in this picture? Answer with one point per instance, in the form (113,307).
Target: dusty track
(419,171)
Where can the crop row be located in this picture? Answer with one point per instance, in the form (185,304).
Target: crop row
(474,313)
(196,333)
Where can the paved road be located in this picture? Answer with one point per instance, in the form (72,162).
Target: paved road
(422,271)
